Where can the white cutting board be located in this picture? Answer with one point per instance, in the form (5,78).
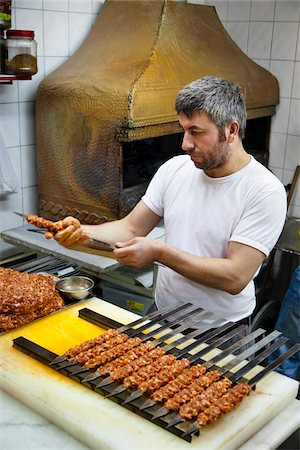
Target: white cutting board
(102,424)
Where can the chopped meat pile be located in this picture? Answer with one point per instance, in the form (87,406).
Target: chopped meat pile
(25,297)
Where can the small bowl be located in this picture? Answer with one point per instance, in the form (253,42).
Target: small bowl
(75,288)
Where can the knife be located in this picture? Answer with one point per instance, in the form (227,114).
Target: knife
(94,243)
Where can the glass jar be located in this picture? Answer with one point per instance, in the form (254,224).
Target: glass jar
(2,52)
(5,14)
(20,53)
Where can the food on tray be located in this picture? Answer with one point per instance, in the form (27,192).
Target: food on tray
(191,390)
(25,297)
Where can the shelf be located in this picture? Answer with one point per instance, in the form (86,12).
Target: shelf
(8,79)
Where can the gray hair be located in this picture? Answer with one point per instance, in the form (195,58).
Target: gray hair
(221,100)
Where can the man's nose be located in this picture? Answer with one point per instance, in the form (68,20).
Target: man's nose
(187,143)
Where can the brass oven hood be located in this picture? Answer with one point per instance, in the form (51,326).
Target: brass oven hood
(119,86)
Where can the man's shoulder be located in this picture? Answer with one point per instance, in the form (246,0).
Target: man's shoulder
(263,177)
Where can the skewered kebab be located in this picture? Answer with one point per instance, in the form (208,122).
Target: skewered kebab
(224,404)
(187,393)
(109,355)
(157,315)
(118,370)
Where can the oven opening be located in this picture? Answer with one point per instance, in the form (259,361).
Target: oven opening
(141,159)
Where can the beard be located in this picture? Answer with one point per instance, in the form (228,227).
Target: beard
(216,157)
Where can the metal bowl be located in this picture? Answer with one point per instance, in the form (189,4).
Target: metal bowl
(75,288)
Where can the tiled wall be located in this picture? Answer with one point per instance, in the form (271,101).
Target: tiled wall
(268,31)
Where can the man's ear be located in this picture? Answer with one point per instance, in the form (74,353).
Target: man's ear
(233,131)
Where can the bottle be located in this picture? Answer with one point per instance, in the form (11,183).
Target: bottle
(20,53)
(5,14)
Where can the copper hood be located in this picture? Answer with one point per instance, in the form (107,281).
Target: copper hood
(120,86)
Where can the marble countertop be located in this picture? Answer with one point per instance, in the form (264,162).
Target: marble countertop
(22,428)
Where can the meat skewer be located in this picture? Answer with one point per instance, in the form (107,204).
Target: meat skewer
(224,404)
(201,401)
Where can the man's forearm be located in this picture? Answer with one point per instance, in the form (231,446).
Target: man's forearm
(110,232)
(230,274)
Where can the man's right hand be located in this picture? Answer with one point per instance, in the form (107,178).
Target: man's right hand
(72,233)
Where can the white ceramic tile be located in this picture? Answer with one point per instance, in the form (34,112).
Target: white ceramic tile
(284,40)
(32,19)
(9,124)
(79,27)
(83,6)
(298,47)
(29,166)
(238,32)
(265,63)
(12,202)
(56,41)
(56,5)
(296,82)
(277,149)
(287,10)
(221,8)
(9,92)
(262,10)
(27,89)
(30,4)
(287,179)
(260,36)
(294,122)
(30,200)
(52,63)
(283,71)
(238,10)
(96,6)
(292,154)
(14,155)
(27,123)
(277,172)
(279,122)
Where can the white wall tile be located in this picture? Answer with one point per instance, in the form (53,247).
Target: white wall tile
(14,155)
(30,200)
(283,71)
(287,10)
(9,124)
(284,40)
(29,166)
(97,5)
(265,63)
(296,82)
(294,122)
(53,62)
(12,202)
(30,4)
(260,36)
(277,172)
(280,120)
(298,45)
(277,149)
(32,19)
(83,6)
(9,93)
(56,42)
(238,32)
(292,154)
(27,123)
(238,10)
(56,5)
(79,27)
(27,89)
(221,8)
(262,10)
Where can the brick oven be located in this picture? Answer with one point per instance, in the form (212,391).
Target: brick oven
(106,120)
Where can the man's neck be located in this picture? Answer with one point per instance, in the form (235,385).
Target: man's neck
(237,161)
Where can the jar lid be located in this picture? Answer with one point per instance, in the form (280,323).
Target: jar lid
(20,33)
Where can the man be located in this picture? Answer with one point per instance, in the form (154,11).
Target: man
(223,211)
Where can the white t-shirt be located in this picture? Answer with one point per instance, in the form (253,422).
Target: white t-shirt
(202,214)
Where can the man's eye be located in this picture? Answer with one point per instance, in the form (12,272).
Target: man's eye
(195,133)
